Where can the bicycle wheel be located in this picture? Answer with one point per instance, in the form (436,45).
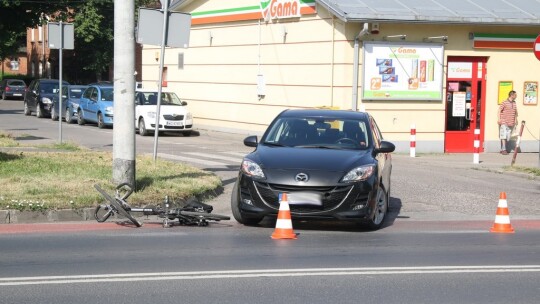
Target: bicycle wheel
(125,214)
(116,205)
(206,216)
(103,212)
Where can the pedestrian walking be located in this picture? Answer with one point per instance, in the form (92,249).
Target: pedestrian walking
(507,120)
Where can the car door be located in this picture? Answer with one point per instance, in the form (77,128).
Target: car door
(31,96)
(84,101)
(93,105)
(384,159)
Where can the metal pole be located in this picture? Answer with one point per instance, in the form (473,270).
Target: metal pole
(60,51)
(161,62)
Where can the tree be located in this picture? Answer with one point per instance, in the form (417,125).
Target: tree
(18,15)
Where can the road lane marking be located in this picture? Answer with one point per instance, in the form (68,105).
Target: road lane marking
(191,159)
(232,274)
(215,156)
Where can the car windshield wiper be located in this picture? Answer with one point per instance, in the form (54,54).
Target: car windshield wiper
(319,147)
(273,144)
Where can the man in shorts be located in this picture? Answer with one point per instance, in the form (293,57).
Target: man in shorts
(507,120)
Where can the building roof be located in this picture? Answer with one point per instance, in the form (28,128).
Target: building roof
(494,12)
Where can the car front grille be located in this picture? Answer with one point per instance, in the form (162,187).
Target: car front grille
(333,196)
(173,117)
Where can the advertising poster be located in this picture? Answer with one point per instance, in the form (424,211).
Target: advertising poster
(530,93)
(402,71)
(504,88)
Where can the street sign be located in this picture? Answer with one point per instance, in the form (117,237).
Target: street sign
(61,35)
(536,47)
(150,28)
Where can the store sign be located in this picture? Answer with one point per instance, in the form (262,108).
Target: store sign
(404,71)
(280,9)
(460,70)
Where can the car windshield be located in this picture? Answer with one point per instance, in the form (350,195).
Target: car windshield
(75,92)
(16,83)
(49,88)
(318,133)
(167,98)
(107,94)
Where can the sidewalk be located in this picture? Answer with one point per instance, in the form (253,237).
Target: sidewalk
(488,161)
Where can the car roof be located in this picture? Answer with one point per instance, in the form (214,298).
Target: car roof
(326,113)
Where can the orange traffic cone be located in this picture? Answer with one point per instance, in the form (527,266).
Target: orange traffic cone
(502,218)
(284,228)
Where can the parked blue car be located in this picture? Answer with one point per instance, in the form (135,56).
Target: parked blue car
(96,105)
(70,103)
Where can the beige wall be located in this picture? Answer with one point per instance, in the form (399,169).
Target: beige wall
(312,65)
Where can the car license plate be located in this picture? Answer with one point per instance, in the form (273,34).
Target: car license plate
(17,94)
(175,123)
(304,198)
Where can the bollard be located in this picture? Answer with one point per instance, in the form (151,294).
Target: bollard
(476,157)
(413,141)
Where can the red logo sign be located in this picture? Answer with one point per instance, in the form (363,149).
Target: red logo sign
(536,47)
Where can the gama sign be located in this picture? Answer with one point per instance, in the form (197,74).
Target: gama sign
(280,9)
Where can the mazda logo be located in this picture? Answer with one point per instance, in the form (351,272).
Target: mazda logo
(301,177)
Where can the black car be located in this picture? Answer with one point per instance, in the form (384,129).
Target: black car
(12,88)
(332,165)
(40,95)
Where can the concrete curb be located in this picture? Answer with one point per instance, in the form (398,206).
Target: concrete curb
(16,216)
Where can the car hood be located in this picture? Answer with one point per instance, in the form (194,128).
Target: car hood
(310,158)
(49,95)
(163,110)
(322,166)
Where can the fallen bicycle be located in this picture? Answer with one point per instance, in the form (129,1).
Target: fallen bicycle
(187,213)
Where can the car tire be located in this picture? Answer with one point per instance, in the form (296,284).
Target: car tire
(186,133)
(235,208)
(142,128)
(39,111)
(381,209)
(27,111)
(100,122)
(54,116)
(80,119)
(67,117)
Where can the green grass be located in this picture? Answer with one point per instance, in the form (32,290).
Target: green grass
(530,170)
(65,178)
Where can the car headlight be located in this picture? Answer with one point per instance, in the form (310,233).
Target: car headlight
(189,116)
(252,169)
(359,173)
(109,110)
(151,114)
(46,100)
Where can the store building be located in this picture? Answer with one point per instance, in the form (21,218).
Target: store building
(442,67)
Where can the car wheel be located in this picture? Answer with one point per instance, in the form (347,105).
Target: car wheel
(80,119)
(39,111)
(27,111)
(381,208)
(100,122)
(54,115)
(235,208)
(67,117)
(186,133)
(142,128)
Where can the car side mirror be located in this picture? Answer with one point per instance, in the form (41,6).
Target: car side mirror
(385,147)
(251,141)
(184,103)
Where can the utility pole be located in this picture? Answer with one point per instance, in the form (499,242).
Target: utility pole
(124,93)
